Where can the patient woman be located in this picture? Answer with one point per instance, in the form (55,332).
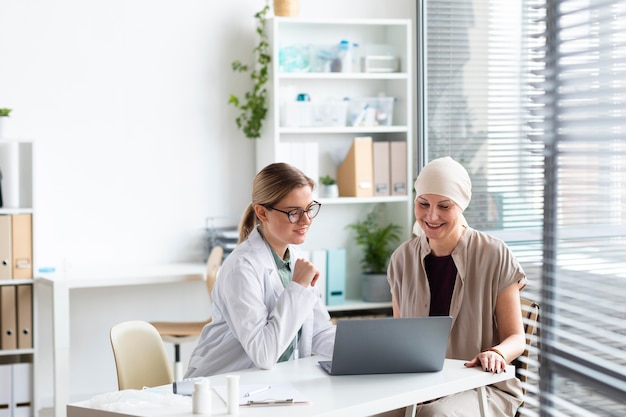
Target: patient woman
(448,268)
(265,306)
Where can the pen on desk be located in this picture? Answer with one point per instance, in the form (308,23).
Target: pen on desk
(256,391)
(288,401)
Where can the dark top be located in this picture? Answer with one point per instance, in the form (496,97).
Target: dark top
(441,272)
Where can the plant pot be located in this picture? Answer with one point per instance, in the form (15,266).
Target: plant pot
(286,7)
(375,288)
(329,191)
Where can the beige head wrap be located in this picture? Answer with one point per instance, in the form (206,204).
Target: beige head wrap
(445,177)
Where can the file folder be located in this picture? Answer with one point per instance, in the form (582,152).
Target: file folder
(335,277)
(6,390)
(6,271)
(8,321)
(318,258)
(22,245)
(398,168)
(22,389)
(382,183)
(355,174)
(24,316)
(302,155)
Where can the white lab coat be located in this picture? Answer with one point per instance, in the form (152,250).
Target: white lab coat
(255,318)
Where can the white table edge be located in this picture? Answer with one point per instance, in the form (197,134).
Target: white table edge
(477,379)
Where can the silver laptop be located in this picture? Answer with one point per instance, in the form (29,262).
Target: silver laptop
(389,345)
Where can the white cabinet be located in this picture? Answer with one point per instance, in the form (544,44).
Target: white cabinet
(302,65)
(17,343)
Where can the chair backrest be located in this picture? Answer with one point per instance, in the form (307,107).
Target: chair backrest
(213,265)
(530,318)
(140,357)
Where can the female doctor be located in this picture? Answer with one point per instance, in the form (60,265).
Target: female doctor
(265,306)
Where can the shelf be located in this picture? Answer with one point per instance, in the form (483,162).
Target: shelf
(355,305)
(330,142)
(370,22)
(342,76)
(341,130)
(18,281)
(16,352)
(364,200)
(16,211)
(18,292)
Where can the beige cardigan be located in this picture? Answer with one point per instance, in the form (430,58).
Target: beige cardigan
(485,267)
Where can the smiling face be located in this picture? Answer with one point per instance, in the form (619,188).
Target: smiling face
(277,229)
(441,220)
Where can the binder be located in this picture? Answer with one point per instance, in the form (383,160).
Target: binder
(335,276)
(6,390)
(8,321)
(382,182)
(318,258)
(22,245)
(6,271)
(302,155)
(398,168)
(22,389)
(355,174)
(24,316)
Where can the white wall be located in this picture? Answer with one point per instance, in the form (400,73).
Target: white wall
(135,144)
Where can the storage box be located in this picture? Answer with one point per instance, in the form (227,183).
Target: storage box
(380,58)
(371,111)
(314,114)
(380,63)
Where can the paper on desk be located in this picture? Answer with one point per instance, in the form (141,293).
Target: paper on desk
(276,392)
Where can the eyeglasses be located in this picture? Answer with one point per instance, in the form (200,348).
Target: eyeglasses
(296,214)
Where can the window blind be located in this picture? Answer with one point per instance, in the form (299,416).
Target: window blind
(478,69)
(529,96)
(583,360)
(476,83)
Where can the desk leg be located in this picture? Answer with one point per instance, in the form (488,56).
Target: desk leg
(410,411)
(482,402)
(61,347)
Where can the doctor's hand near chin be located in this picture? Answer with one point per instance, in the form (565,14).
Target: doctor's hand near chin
(305,273)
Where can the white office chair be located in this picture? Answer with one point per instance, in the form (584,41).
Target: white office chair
(140,357)
(182,332)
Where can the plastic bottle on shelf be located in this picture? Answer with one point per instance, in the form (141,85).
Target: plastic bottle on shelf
(343,58)
(345,54)
(356,58)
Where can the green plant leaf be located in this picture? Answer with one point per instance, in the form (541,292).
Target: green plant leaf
(327,180)
(377,241)
(253,108)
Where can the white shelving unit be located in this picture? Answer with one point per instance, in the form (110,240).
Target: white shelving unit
(329,230)
(18,364)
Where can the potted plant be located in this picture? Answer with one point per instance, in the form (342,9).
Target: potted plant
(378,242)
(328,187)
(4,112)
(253,107)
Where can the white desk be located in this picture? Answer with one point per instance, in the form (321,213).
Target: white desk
(61,286)
(330,396)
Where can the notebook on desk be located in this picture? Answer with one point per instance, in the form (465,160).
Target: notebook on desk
(389,345)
